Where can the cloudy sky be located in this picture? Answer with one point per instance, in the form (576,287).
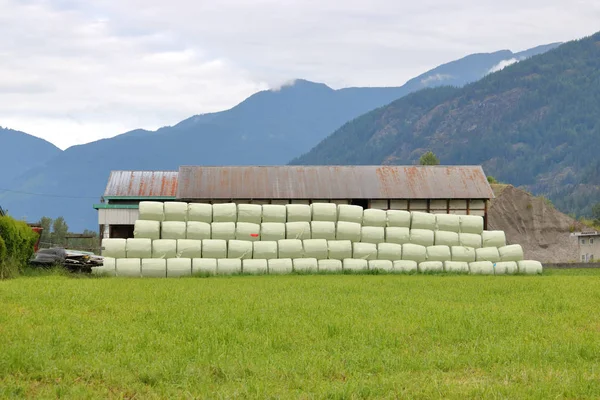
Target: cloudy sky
(74,71)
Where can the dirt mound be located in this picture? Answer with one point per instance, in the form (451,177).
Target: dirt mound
(543,231)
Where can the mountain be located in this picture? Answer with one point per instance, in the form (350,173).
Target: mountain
(268,128)
(533,124)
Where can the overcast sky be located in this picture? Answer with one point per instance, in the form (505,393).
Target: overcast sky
(74,71)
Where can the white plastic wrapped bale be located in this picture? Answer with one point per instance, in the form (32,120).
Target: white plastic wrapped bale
(315,248)
(223,230)
(439,253)
(251,213)
(225,212)
(100,271)
(108,267)
(530,267)
(481,268)
(382,265)
(398,218)
(214,248)
(372,234)
(247,231)
(305,264)
(364,251)
(176,211)
(445,238)
(173,230)
(272,231)
(324,212)
(330,265)
(280,266)
(241,249)
(352,264)
(274,213)
(189,248)
(200,212)
(229,266)
(422,220)
(298,212)
(422,237)
(414,252)
(350,213)
(339,249)
(448,222)
(255,266)
(297,230)
(397,235)
(493,239)
(487,254)
(348,231)
(139,248)
(290,248)
(152,211)
(470,240)
(506,268)
(431,266)
(323,230)
(513,252)
(265,250)
(457,267)
(373,217)
(405,266)
(471,224)
(178,267)
(129,267)
(463,254)
(146,229)
(389,251)
(198,230)
(164,248)
(204,266)
(115,248)
(154,268)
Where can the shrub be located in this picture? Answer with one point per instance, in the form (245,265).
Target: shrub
(17,242)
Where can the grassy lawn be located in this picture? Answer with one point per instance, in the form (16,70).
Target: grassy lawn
(339,336)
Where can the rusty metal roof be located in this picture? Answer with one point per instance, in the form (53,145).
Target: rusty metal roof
(141,184)
(333,182)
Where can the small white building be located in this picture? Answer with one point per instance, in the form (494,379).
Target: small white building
(589,246)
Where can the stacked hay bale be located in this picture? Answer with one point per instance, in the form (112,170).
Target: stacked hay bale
(177,239)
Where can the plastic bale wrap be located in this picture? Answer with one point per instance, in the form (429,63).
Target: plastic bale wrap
(431,266)
(389,251)
(422,220)
(241,249)
(364,251)
(129,267)
(514,252)
(348,231)
(447,222)
(146,229)
(481,268)
(297,230)
(381,265)
(305,264)
(339,249)
(414,252)
(445,238)
(176,211)
(398,218)
(470,240)
(274,213)
(372,234)
(422,237)
(204,266)
(272,231)
(226,212)
(223,230)
(265,250)
(530,267)
(109,267)
(247,231)
(290,248)
(350,213)
(506,268)
(493,239)
(463,254)
(152,211)
(200,212)
(330,265)
(458,267)
(352,264)
(438,253)
(214,248)
(280,266)
(100,271)
(189,248)
(405,266)
(154,268)
(324,212)
(139,248)
(471,224)
(255,266)
(397,235)
(298,212)
(374,217)
(198,230)
(173,230)
(315,248)
(487,254)
(251,213)
(178,267)
(164,248)
(114,248)
(323,230)
(229,266)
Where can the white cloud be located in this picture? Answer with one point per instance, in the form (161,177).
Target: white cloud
(435,78)
(503,64)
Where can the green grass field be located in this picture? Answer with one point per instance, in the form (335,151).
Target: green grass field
(338,336)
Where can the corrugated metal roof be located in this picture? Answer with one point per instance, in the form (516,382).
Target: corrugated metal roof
(141,184)
(333,182)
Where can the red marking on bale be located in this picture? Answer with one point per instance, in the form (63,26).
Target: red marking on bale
(254,234)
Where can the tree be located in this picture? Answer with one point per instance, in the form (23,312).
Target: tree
(491,179)
(59,231)
(46,224)
(429,159)
(596,213)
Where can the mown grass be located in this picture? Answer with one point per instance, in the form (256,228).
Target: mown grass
(338,336)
